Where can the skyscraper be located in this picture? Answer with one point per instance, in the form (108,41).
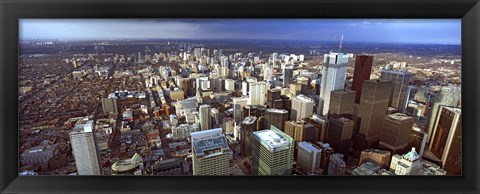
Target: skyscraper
(302,107)
(363,68)
(211,154)
(400,92)
(333,78)
(448,96)
(342,103)
(276,117)
(322,125)
(339,134)
(287,75)
(205,117)
(309,157)
(327,151)
(373,108)
(396,131)
(257,93)
(446,143)
(109,105)
(272,152)
(272,95)
(238,104)
(84,148)
(248,126)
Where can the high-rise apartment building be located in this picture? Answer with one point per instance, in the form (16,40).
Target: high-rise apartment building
(396,132)
(302,107)
(342,103)
(361,72)
(205,117)
(446,143)
(333,78)
(309,157)
(211,154)
(400,93)
(257,93)
(373,108)
(84,148)
(272,152)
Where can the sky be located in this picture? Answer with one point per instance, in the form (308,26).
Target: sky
(418,31)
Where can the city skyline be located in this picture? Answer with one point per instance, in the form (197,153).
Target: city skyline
(402,31)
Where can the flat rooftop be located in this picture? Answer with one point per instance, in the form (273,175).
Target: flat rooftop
(309,147)
(274,110)
(272,139)
(208,147)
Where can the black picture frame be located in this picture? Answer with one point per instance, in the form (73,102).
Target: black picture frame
(12,10)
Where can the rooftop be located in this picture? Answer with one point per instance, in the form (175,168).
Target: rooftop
(399,116)
(309,147)
(304,98)
(249,120)
(274,110)
(272,139)
(212,146)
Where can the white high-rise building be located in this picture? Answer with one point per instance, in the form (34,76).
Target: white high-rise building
(229,84)
(272,152)
(84,148)
(333,78)
(408,164)
(302,107)
(257,93)
(309,157)
(211,153)
(238,104)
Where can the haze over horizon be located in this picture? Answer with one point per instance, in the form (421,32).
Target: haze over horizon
(416,31)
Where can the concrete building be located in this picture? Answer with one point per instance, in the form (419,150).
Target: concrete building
(396,132)
(376,156)
(129,166)
(172,166)
(272,95)
(276,117)
(362,71)
(309,157)
(400,93)
(446,143)
(333,78)
(342,103)
(39,154)
(229,84)
(407,164)
(272,152)
(373,108)
(257,93)
(238,104)
(327,151)
(366,168)
(336,166)
(247,127)
(84,148)
(205,117)
(321,124)
(302,107)
(339,134)
(109,106)
(287,75)
(447,96)
(211,154)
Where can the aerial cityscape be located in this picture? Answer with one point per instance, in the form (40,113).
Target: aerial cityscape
(170,97)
